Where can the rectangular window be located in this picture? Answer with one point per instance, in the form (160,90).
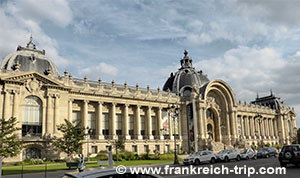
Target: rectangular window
(118,123)
(76,117)
(167,148)
(131,121)
(105,123)
(91,123)
(134,148)
(153,118)
(94,150)
(142,125)
(146,148)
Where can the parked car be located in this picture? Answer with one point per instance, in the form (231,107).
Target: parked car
(248,154)
(289,155)
(200,157)
(227,155)
(267,152)
(108,173)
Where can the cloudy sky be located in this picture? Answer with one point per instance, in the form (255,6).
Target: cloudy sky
(252,45)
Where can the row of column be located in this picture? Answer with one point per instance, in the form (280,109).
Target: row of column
(125,121)
(261,127)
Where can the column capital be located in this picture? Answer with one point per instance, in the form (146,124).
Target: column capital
(86,101)
(149,107)
(126,105)
(100,102)
(113,103)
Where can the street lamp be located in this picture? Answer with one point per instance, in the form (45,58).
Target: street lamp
(89,131)
(173,110)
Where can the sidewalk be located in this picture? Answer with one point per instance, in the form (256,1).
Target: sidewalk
(60,173)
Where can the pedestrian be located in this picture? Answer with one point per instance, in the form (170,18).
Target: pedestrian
(81,163)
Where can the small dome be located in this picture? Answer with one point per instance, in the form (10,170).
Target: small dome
(186,76)
(29,59)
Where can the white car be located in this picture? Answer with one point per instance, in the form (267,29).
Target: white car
(227,155)
(200,157)
(248,154)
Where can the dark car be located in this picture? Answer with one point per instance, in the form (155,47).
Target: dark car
(266,152)
(289,155)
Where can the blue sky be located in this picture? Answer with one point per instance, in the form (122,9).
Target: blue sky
(252,45)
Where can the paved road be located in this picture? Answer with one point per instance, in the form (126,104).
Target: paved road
(291,171)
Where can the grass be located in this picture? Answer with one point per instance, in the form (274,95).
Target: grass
(7,170)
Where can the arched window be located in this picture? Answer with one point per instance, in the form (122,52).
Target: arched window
(32,153)
(210,131)
(32,117)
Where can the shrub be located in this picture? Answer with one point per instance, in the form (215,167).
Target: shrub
(166,157)
(129,155)
(102,156)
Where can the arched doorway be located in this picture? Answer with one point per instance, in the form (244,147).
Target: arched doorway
(212,125)
(32,117)
(32,153)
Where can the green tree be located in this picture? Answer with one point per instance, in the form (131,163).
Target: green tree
(9,144)
(119,145)
(71,140)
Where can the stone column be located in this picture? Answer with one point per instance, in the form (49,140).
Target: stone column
(275,127)
(70,109)
(267,128)
(149,123)
(160,126)
(252,126)
(85,114)
(201,122)
(171,126)
(56,111)
(242,125)
(49,115)
(16,113)
(6,104)
(138,123)
(246,127)
(113,121)
(99,120)
(271,128)
(195,125)
(233,125)
(263,128)
(126,122)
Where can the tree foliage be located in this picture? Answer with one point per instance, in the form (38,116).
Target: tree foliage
(9,144)
(72,138)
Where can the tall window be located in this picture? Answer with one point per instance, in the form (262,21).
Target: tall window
(119,124)
(105,124)
(143,125)
(131,124)
(153,118)
(76,117)
(32,117)
(92,124)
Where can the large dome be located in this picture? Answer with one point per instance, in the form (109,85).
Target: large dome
(186,76)
(29,59)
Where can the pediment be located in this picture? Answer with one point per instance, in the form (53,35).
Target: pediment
(32,78)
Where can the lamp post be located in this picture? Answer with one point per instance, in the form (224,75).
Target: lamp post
(89,131)
(173,110)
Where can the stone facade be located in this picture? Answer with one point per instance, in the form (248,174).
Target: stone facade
(209,114)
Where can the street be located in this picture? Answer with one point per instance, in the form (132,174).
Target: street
(291,171)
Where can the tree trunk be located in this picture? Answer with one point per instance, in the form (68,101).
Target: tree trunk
(0,166)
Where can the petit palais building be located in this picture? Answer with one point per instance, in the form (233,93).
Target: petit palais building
(209,116)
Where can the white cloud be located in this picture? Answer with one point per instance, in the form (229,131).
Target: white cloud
(100,70)
(20,19)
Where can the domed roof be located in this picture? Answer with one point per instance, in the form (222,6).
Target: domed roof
(29,59)
(187,75)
